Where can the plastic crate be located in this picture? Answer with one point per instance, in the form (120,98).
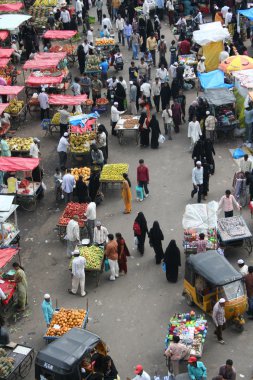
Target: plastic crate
(45,124)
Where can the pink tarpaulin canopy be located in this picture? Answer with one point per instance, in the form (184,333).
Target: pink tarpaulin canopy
(10,90)
(41,64)
(6,254)
(2,107)
(6,53)
(68,100)
(3,35)
(18,164)
(37,81)
(13,7)
(4,62)
(47,55)
(59,34)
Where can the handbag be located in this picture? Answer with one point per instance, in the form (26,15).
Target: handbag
(107,265)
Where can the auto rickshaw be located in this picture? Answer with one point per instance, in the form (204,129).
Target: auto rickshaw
(209,277)
(69,357)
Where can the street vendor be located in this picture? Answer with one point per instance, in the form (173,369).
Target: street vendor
(72,235)
(100,234)
(5,149)
(97,156)
(47,309)
(34,148)
(64,119)
(177,351)
(201,67)
(196,369)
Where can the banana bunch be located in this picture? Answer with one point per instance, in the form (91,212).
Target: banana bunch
(113,172)
(45,3)
(14,107)
(17,144)
(81,143)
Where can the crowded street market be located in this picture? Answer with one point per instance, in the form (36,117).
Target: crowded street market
(126,189)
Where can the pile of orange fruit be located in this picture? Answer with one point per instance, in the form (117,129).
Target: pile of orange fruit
(104,41)
(66,319)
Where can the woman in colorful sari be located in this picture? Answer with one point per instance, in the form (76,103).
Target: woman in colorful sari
(123,252)
(126,194)
(20,279)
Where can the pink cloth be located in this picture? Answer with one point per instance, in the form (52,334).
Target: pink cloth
(6,53)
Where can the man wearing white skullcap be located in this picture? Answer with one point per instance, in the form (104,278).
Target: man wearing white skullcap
(78,272)
(115,115)
(243,268)
(47,309)
(197,180)
(219,319)
(194,132)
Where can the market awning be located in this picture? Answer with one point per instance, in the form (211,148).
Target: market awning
(68,100)
(41,64)
(247,13)
(10,90)
(16,164)
(2,107)
(48,55)
(13,7)
(13,21)
(210,32)
(236,63)
(213,79)
(59,34)
(3,35)
(200,216)
(6,254)
(38,81)
(4,62)
(6,53)
(219,96)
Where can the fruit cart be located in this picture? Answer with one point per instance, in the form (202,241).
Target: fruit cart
(92,65)
(94,260)
(15,363)
(70,210)
(66,35)
(104,42)
(17,108)
(112,175)
(9,231)
(127,123)
(102,105)
(20,146)
(64,320)
(28,190)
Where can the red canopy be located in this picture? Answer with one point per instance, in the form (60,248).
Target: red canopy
(48,55)
(41,64)
(69,100)
(10,90)
(18,164)
(59,34)
(3,35)
(37,81)
(14,7)
(4,62)
(2,107)
(6,254)
(6,53)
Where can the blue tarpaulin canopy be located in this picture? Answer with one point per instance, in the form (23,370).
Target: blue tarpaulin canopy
(213,79)
(247,13)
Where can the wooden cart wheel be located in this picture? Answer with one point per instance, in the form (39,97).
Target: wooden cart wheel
(188,299)
(25,367)
(29,204)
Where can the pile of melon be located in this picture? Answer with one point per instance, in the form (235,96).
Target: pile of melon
(64,320)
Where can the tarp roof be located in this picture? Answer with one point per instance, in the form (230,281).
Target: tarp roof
(200,216)
(11,22)
(48,55)
(2,107)
(41,64)
(210,32)
(37,81)
(10,90)
(12,7)
(245,77)
(214,267)
(219,96)
(6,254)
(247,13)
(16,164)
(4,62)
(6,53)
(59,34)
(3,35)
(213,79)
(68,100)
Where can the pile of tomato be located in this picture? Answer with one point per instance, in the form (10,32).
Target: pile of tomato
(72,209)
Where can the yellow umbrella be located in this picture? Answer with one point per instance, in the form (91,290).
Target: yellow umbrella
(236,63)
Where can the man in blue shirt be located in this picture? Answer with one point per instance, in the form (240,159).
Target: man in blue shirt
(47,309)
(196,369)
(104,69)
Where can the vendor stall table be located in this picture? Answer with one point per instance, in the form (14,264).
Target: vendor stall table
(22,357)
(188,59)
(7,286)
(127,123)
(17,108)
(234,232)
(112,175)
(56,83)
(70,210)
(8,230)
(6,53)
(63,35)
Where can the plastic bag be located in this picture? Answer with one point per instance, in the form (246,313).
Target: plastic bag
(135,241)
(161,139)
(139,192)
(163,267)
(238,153)
(107,265)
(43,186)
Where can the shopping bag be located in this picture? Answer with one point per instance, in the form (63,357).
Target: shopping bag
(161,139)
(139,192)
(238,153)
(107,265)
(163,267)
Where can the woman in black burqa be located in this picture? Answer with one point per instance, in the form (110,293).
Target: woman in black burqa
(155,241)
(140,230)
(172,260)
(155,132)
(144,130)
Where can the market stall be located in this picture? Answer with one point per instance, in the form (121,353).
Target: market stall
(200,218)
(191,329)
(94,260)
(16,361)
(9,231)
(102,105)
(127,123)
(28,190)
(20,146)
(222,105)
(70,210)
(56,82)
(65,35)
(11,7)
(17,108)
(4,128)
(4,37)
(10,22)
(64,320)
(112,175)
(213,79)
(7,285)
(234,232)
(92,65)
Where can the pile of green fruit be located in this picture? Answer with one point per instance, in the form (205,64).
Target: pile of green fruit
(113,172)
(92,63)
(6,364)
(93,255)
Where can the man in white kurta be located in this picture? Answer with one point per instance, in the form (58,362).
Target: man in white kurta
(194,132)
(78,273)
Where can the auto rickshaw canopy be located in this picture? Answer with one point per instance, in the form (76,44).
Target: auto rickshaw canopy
(65,353)
(214,268)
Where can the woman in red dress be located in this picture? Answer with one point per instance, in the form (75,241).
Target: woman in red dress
(123,252)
